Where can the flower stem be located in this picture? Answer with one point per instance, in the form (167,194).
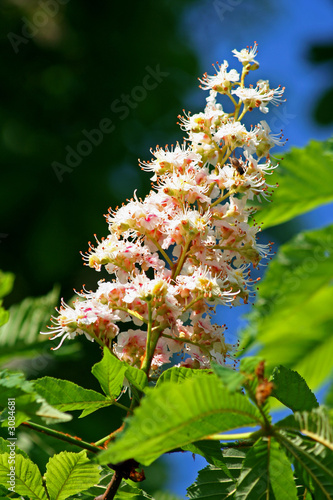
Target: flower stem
(229,193)
(146,362)
(181,260)
(165,255)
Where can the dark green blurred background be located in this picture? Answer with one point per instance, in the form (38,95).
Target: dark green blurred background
(64,80)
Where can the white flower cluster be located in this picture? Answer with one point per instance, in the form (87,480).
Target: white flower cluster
(188,246)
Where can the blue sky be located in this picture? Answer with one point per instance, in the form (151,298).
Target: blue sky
(284,31)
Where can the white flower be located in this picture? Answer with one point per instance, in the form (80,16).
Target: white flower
(260,96)
(221,81)
(265,140)
(177,159)
(234,135)
(188,246)
(247,55)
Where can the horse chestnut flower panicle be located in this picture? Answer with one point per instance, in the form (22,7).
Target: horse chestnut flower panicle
(188,246)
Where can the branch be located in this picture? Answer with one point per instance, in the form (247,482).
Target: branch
(64,437)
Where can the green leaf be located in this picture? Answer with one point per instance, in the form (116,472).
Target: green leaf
(178,374)
(292,318)
(213,483)
(174,415)
(292,390)
(6,285)
(69,473)
(28,403)
(4,443)
(21,334)
(266,474)
(315,424)
(313,464)
(67,396)
(210,450)
(305,178)
(28,479)
(110,373)
(231,379)
(136,377)
(4,315)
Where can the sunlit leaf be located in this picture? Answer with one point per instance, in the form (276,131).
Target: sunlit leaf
(69,473)
(292,318)
(178,374)
(110,373)
(305,178)
(28,479)
(173,415)
(67,396)
(28,403)
(231,379)
(6,285)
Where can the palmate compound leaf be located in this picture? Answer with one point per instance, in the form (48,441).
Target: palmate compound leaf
(292,390)
(69,473)
(28,479)
(305,178)
(292,319)
(67,396)
(266,474)
(174,415)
